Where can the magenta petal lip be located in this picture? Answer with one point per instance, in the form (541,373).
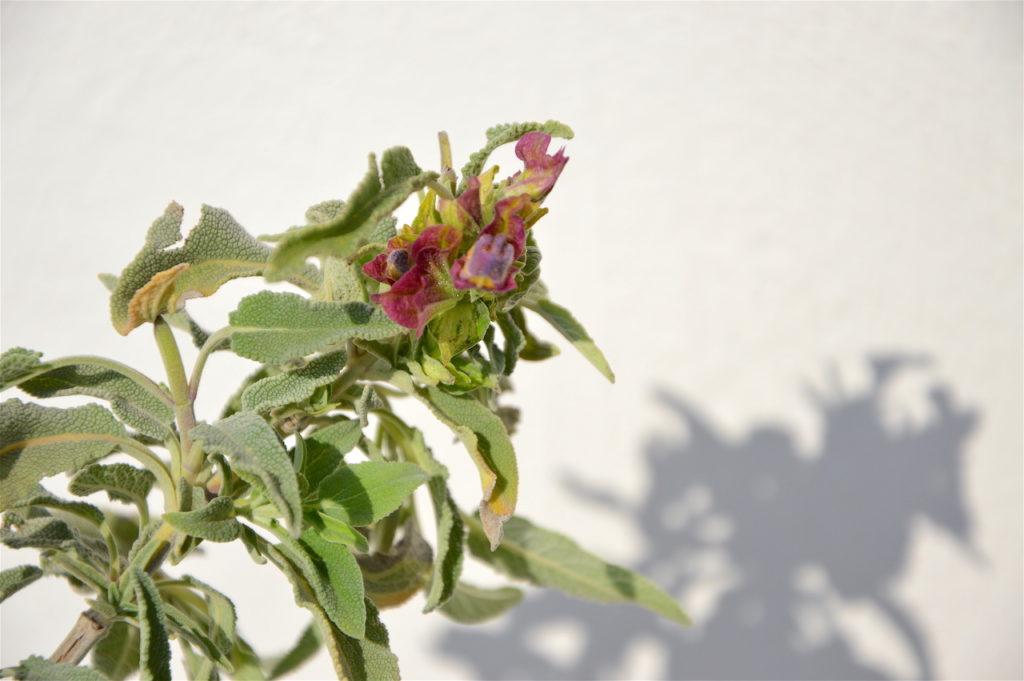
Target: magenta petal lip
(416,290)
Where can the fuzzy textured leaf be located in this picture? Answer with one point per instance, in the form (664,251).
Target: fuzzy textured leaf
(451,531)
(307,646)
(485,438)
(121,481)
(214,522)
(116,656)
(473,604)
(342,282)
(293,386)
(37,442)
(160,278)
(43,499)
(550,559)
(36,668)
(392,578)
(326,448)
(257,455)
(370,203)
(566,324)
(274,327)
(155,651)
(15,363)
(134,404)
(363,493)
(334,577)
(43,532)
(15,579)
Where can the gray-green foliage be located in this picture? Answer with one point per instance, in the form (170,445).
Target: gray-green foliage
(255,452)
(573,331)
(473,604)
(277,327)
(154,649)
(132,403)
(37,442)
(121,481)
(373,201)
(312,465)
(547,558)
(214,521)
(293,386)
(36,668)
(14,579)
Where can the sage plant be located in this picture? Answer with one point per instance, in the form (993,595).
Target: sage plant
(308,465)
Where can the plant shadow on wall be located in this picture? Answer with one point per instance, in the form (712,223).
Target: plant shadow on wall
(772,540)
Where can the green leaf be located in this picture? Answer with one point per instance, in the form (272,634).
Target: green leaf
(473,604)
(363,493)
(507,133)
(43,499)
(15,579)
(259,458)
(337,531)
(397,165)
(222,614)
(160,278)
(325,211)
(550,559)
(134,404)
(334,577)
(155,651)
(116,656)
(365,658)
(247,664)
(451,531)
(515,341)
(197,667)
(369,658)
(191,625)
(293,386)
(326,448)
(121,481)
(484,436)
(208,615)
(274,327)
(343,282)
(37,442)
(15,363)
(534,349)
(371,203)
(299,654)
(38,533)
(36,668)
(392,578)
(213,522)
(566,324)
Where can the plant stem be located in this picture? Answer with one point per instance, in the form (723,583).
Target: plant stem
(211,344)
(89,628)
(183,414)
(148,458)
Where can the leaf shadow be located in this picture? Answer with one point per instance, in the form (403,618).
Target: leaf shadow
(768,539)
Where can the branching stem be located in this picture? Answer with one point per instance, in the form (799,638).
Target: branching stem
(88,630)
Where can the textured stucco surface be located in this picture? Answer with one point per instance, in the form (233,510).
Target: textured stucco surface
(757,195)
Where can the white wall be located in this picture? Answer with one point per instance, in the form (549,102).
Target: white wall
(758,194)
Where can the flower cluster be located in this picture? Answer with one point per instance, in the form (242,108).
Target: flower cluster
(473,241)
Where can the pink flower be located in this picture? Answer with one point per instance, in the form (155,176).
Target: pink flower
(418,276)
(490,262)
(541,171)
